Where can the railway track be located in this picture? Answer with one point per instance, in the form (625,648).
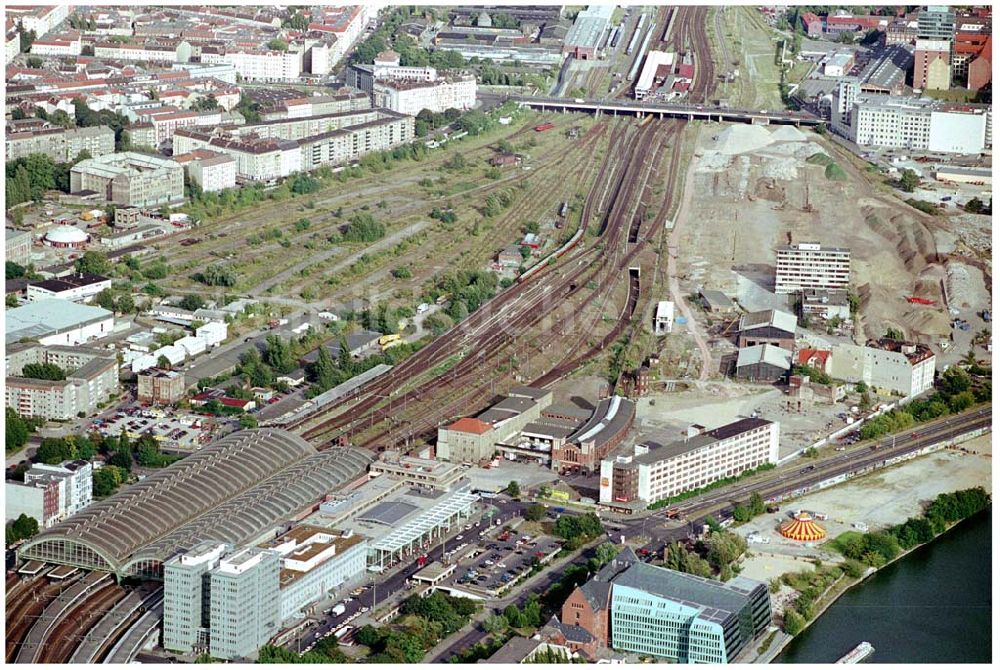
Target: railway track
(23,607)
(611,262)
(71,628)
(509,316)
(490,317)
(495,324)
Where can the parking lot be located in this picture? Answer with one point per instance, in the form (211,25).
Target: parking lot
(489,566)
(184,432)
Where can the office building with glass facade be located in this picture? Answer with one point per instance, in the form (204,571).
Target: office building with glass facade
(659,612)
(245,603)
(187,597)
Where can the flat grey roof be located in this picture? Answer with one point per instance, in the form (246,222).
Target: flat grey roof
(46,317)
(389,512)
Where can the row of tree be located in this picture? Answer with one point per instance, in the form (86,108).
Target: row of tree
(955,393)
(28,178)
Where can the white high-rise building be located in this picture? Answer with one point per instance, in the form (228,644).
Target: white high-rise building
(810,265)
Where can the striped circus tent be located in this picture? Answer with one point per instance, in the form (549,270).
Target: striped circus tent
(803,529)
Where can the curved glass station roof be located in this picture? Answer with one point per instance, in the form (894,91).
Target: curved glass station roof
(230,491)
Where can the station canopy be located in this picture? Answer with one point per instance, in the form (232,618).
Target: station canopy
(230,491)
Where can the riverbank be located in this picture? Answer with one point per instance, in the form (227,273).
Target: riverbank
(845,584)
(897,598)
(881,499)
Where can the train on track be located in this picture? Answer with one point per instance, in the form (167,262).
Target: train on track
(539,267)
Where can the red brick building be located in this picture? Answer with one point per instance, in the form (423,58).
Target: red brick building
(981,68)
(584,620)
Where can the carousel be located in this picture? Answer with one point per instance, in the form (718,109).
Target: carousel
(802,528)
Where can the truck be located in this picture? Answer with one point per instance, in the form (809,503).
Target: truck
(338,609)
(673,513)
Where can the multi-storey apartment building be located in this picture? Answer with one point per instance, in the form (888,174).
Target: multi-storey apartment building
(66,44)
(133,179)
(78,483)
(160,387)
(211,170)
(412,97)
(408,89)
(258,64)
(149,52)
(811,265)
(50,493)
(39,19)
(268,158)
(91,377)
(62,144)
(245,610)
(649,472)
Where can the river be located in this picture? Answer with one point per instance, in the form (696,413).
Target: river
(932,606)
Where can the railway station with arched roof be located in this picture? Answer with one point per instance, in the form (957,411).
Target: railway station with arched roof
(230,491)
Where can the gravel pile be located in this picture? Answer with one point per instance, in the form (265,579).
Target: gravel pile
(741,139)
(788,134)
(962,291)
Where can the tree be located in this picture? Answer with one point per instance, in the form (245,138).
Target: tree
(323,371)
(277,45)
(363,228)
(107,480)
(217,275)
(606,553)
(54,450)
(16,430)
(248,421)
(894,334)
(163,362)
(513,489)
(974,206)
(954,381)
(908,180)
(48,371)
(534,512)
(794,623)
(278,355)
(24,527)
(28,37)
(192,302)
(206,103)
(494,623)
(93,262)
(756,504)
